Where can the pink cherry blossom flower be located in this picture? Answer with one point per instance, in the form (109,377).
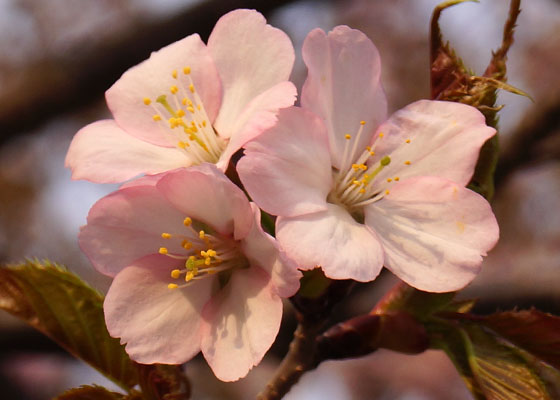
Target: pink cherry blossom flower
(354,193)
(190,103)
(193,270)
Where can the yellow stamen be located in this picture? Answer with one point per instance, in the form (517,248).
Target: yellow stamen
(187,70)
(347,136)
(147,101)
(173,89)
(174,74)
(201,234)
(191,88)
(187,221)
(407,162)
(166,235)
(156,117)
(163,250)
(175,273)
(381,134)
(386,192)
(180,113)
(407,140)
(186,244)
(172,286)
(362,122)
(389,180)
(397,178)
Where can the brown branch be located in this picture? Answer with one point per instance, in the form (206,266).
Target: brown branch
(524,146)
(53,86)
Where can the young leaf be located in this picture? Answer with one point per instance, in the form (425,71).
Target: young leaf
(95,393)
(63,307)
(535,331)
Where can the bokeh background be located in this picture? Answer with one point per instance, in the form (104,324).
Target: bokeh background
(57,57)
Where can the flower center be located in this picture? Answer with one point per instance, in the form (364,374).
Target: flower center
(204,254)
(184,121)
(354,183)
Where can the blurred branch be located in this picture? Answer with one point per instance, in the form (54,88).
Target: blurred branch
(529,143)
(57,85)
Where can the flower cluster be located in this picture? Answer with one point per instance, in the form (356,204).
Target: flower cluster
(352,188)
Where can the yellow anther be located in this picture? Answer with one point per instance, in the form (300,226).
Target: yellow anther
(175,273)
(347,136)
(386,192)
(198,107)
(355,167)
(201,234)
(407,140)
(207,261)
(184,101)
(187,70)
(191,109)
(187,221)
(397,178)
(166,235)
(172,286)
(186,244)
(389,180)
(372,153)
(182,145)
(211,253)
(362,122)
(362,191)
(381,134)
(407,162)
(368,148)
(189,276)
(204,123)
(357,183)
(163,250)
(174,73)
(147,101)
(191,88)
(173,89)
(203,253)
(363,167)
(156,117)
(180,113)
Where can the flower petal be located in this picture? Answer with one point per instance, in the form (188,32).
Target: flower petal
(102,152)
(287,170)
(240,324)
(158,324)
(434,232)
(445,140)
(343,86)
(262,251)
(205,194)
(251,57)
(259,115)
(127,225)
(153,78)
(342,247)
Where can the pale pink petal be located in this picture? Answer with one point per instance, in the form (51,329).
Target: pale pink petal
(153,78)
(126,225)
(262,251)
(434,232)
(342,247)
(343,86)
(251,57)
(259,115)
(240,324)
(444,140)
(102,152)
(146,180)
(158,324)
(287,170)
(205,194)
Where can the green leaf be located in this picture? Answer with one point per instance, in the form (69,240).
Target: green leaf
(63,307)
(493,367)
(95,393)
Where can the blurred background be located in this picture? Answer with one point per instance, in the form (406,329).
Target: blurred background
(57,58)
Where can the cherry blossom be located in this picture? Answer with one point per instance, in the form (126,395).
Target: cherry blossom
(193,270)
(190,103)
(355,190)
